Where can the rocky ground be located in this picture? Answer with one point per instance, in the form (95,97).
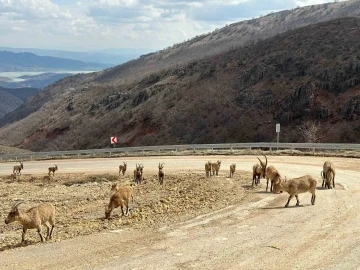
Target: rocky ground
(80,201)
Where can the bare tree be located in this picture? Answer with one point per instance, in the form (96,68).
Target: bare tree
(310,130)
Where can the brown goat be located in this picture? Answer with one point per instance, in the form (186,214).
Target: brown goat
(52,170)
(258,171)
(208,169)
(273,175)
(17,168)
(120,197)
(161,173)
(328,175)
(216,167)
(296,186)
(34,218)
(122,168)
(232,169)
(138,173)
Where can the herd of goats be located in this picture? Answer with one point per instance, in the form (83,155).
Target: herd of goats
(44,214)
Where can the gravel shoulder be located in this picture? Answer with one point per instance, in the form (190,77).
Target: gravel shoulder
(223,223)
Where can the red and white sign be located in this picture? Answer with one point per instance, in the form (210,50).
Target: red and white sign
(113,140)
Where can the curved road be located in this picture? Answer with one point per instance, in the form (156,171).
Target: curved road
(257,235)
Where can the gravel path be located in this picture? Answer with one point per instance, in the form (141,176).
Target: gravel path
(259,234)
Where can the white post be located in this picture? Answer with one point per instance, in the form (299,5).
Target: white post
(277,129)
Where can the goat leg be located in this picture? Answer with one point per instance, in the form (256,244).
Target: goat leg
(290,197)
(23,235)
(41,237)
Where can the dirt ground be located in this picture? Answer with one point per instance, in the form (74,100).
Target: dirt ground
(191,222)
(80,200)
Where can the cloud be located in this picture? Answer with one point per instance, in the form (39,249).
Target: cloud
(91,24)
(32,9)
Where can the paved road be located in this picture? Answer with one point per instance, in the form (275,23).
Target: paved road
(257,235)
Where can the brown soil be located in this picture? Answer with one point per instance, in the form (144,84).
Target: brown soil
(80,200)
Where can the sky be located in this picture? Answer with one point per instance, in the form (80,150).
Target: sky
(86,25)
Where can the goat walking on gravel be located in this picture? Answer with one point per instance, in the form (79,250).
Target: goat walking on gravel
(138,173)
(52,170)
(232,169)
(33,218)
(216,167)
(122,168)
(161,173)
(296,186)
(121,197)
(17,168)
(208,169)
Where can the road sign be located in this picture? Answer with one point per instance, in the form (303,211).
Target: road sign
(113,140)
(277,128)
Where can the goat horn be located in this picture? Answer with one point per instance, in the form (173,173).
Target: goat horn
(266,161)
(15,205)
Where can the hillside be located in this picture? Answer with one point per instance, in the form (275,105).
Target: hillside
(8,102)
(10,61)
(11,98)
(22,93)
(222,40)
(33,81)
(312,73)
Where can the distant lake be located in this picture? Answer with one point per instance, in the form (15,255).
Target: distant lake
(15,76)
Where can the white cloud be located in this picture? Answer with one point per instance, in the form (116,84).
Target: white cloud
(97,24)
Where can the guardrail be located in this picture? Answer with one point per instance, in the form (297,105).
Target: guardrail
(229,146)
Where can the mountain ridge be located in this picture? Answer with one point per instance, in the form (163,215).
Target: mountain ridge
(310,73)
(25,61)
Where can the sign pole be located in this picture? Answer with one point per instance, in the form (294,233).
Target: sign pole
(113,140)
(277,129)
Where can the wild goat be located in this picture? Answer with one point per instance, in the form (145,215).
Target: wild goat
(216,167)
(161,173)
(138,173)
(120,197)
(328,175)
(122,168)
(258,171)
(232,169)
(17,168)
(52,170)
(296,186)
(208,169)
(273,175)
(33,218)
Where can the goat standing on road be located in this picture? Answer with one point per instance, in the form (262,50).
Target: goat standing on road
(328,175)
(258,171)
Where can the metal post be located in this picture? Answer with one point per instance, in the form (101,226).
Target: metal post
(277,140)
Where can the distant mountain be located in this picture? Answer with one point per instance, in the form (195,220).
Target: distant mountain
(21,93)
(110,57)
(10,61)
(34,81)
(8,102)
